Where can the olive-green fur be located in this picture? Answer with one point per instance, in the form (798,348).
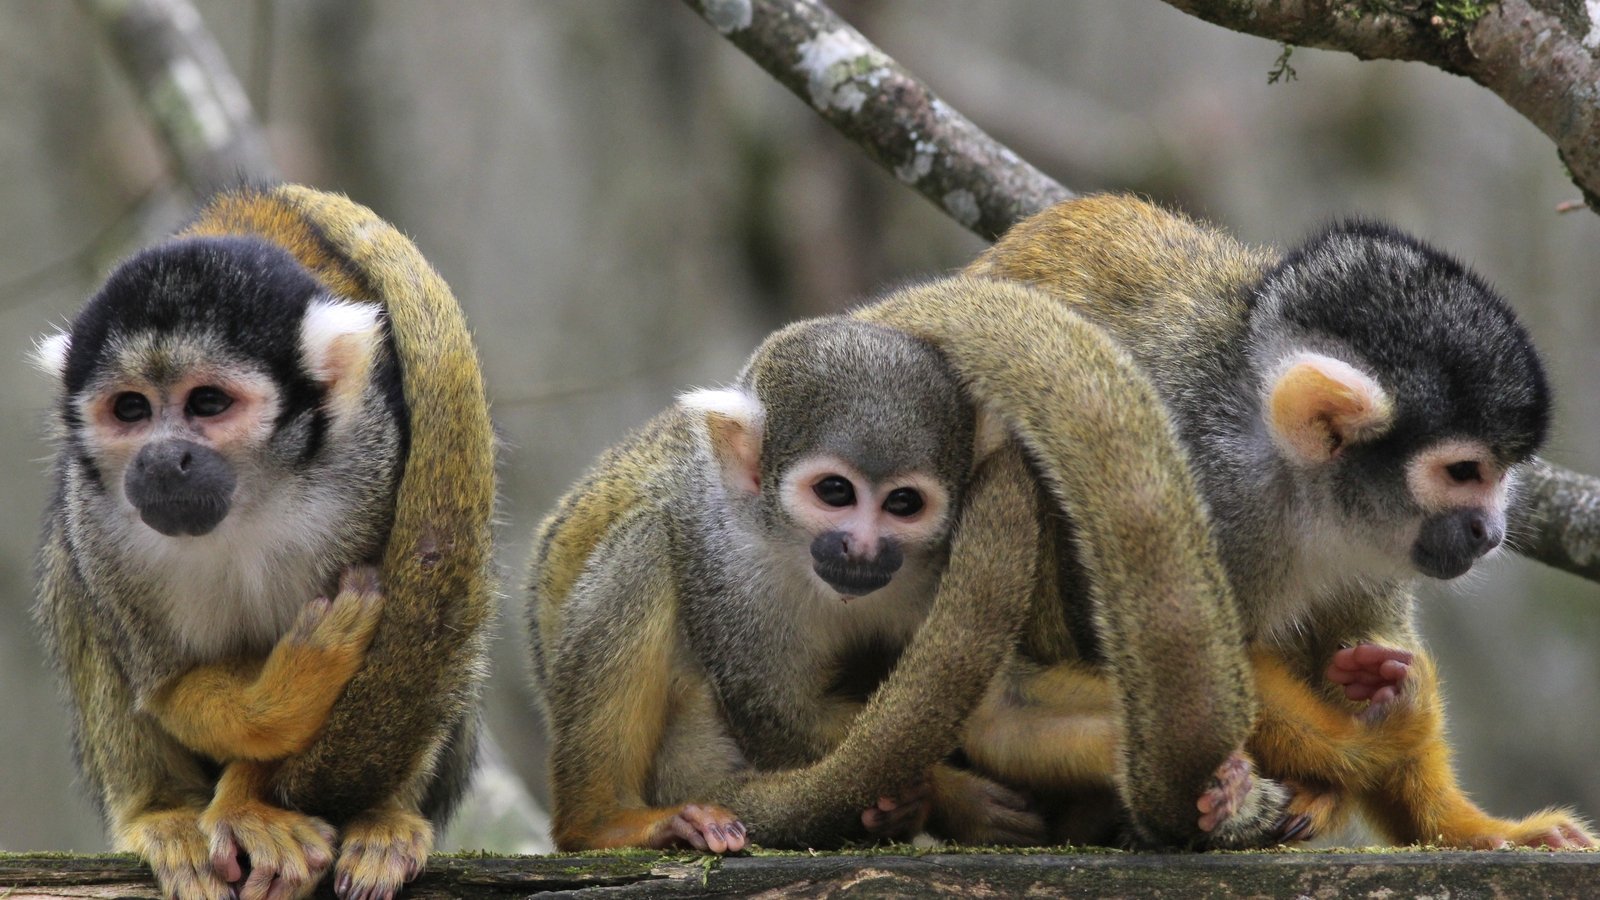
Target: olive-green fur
(1096,431)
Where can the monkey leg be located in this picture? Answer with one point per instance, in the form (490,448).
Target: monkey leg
(288,851)
(1393,759)
(1418,800)
(1047,728)
(243,710)
(609,693)
(171,841)
(1056,731)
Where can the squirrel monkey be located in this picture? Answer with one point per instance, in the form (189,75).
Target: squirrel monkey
(255,415)
(1355,412)
(710,603)
(788,526)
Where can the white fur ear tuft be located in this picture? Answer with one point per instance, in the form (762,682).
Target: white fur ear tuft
(729,403)
(50,354)
(734,421)
(339,339)
(1318,405)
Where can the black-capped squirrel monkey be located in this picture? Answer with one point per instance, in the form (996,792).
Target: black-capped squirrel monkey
(1355,412)
(277,406)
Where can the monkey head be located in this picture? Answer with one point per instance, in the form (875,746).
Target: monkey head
(203,378)
(848,447)
(1404,393)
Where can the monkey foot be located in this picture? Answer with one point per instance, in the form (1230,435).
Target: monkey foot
(971,809)
(1240,809)
(1370,671)
(1313,811)
(901,816)
(288,851)
(710,829)
(1229,787)
(171,842)
(1552,828)
(381,850)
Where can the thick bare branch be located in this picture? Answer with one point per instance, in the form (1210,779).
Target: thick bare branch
(890,113)
(1540,56)
(858,88)
(1558,519)
(187,89)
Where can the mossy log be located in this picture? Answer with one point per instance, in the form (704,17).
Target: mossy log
(907,873)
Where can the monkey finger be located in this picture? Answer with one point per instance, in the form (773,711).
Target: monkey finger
(1359,691)
(1394,670)
(708,828)
(1373,655)
(359,580)
(225,855)
(310,616)
(259,884)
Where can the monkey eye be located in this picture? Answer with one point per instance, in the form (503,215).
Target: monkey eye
(130,406)
(903,502)
(835,490)
(207,401)
(1464,471)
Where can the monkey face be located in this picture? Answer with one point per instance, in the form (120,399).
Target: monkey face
(1463,493)
(863,530)
(176,444)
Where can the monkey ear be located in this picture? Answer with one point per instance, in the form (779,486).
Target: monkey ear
(1317,405)
(992,434)
(735,423)
(50,354)
(339,339)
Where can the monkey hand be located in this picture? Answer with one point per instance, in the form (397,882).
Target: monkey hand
(970,809)
(340,630)
(901,816)
(380,851)
(288,851)
(171,841)
(1240,809)
(1371,672)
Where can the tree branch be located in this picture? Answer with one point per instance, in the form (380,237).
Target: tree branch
(875,102)
(187,89)
(859,89)
(1540,56)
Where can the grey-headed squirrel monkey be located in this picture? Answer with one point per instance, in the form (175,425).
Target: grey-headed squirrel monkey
(711,602)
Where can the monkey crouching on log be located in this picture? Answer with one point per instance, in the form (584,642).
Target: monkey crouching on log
(265,570)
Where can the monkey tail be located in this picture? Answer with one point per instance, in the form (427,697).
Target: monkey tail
(1098,435)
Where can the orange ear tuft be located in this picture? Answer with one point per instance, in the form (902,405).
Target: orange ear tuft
(1318,405)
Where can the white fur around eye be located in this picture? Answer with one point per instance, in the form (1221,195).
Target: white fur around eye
(50,353)
(337,334)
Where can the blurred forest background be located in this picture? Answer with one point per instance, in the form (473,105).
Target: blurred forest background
(625,205)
